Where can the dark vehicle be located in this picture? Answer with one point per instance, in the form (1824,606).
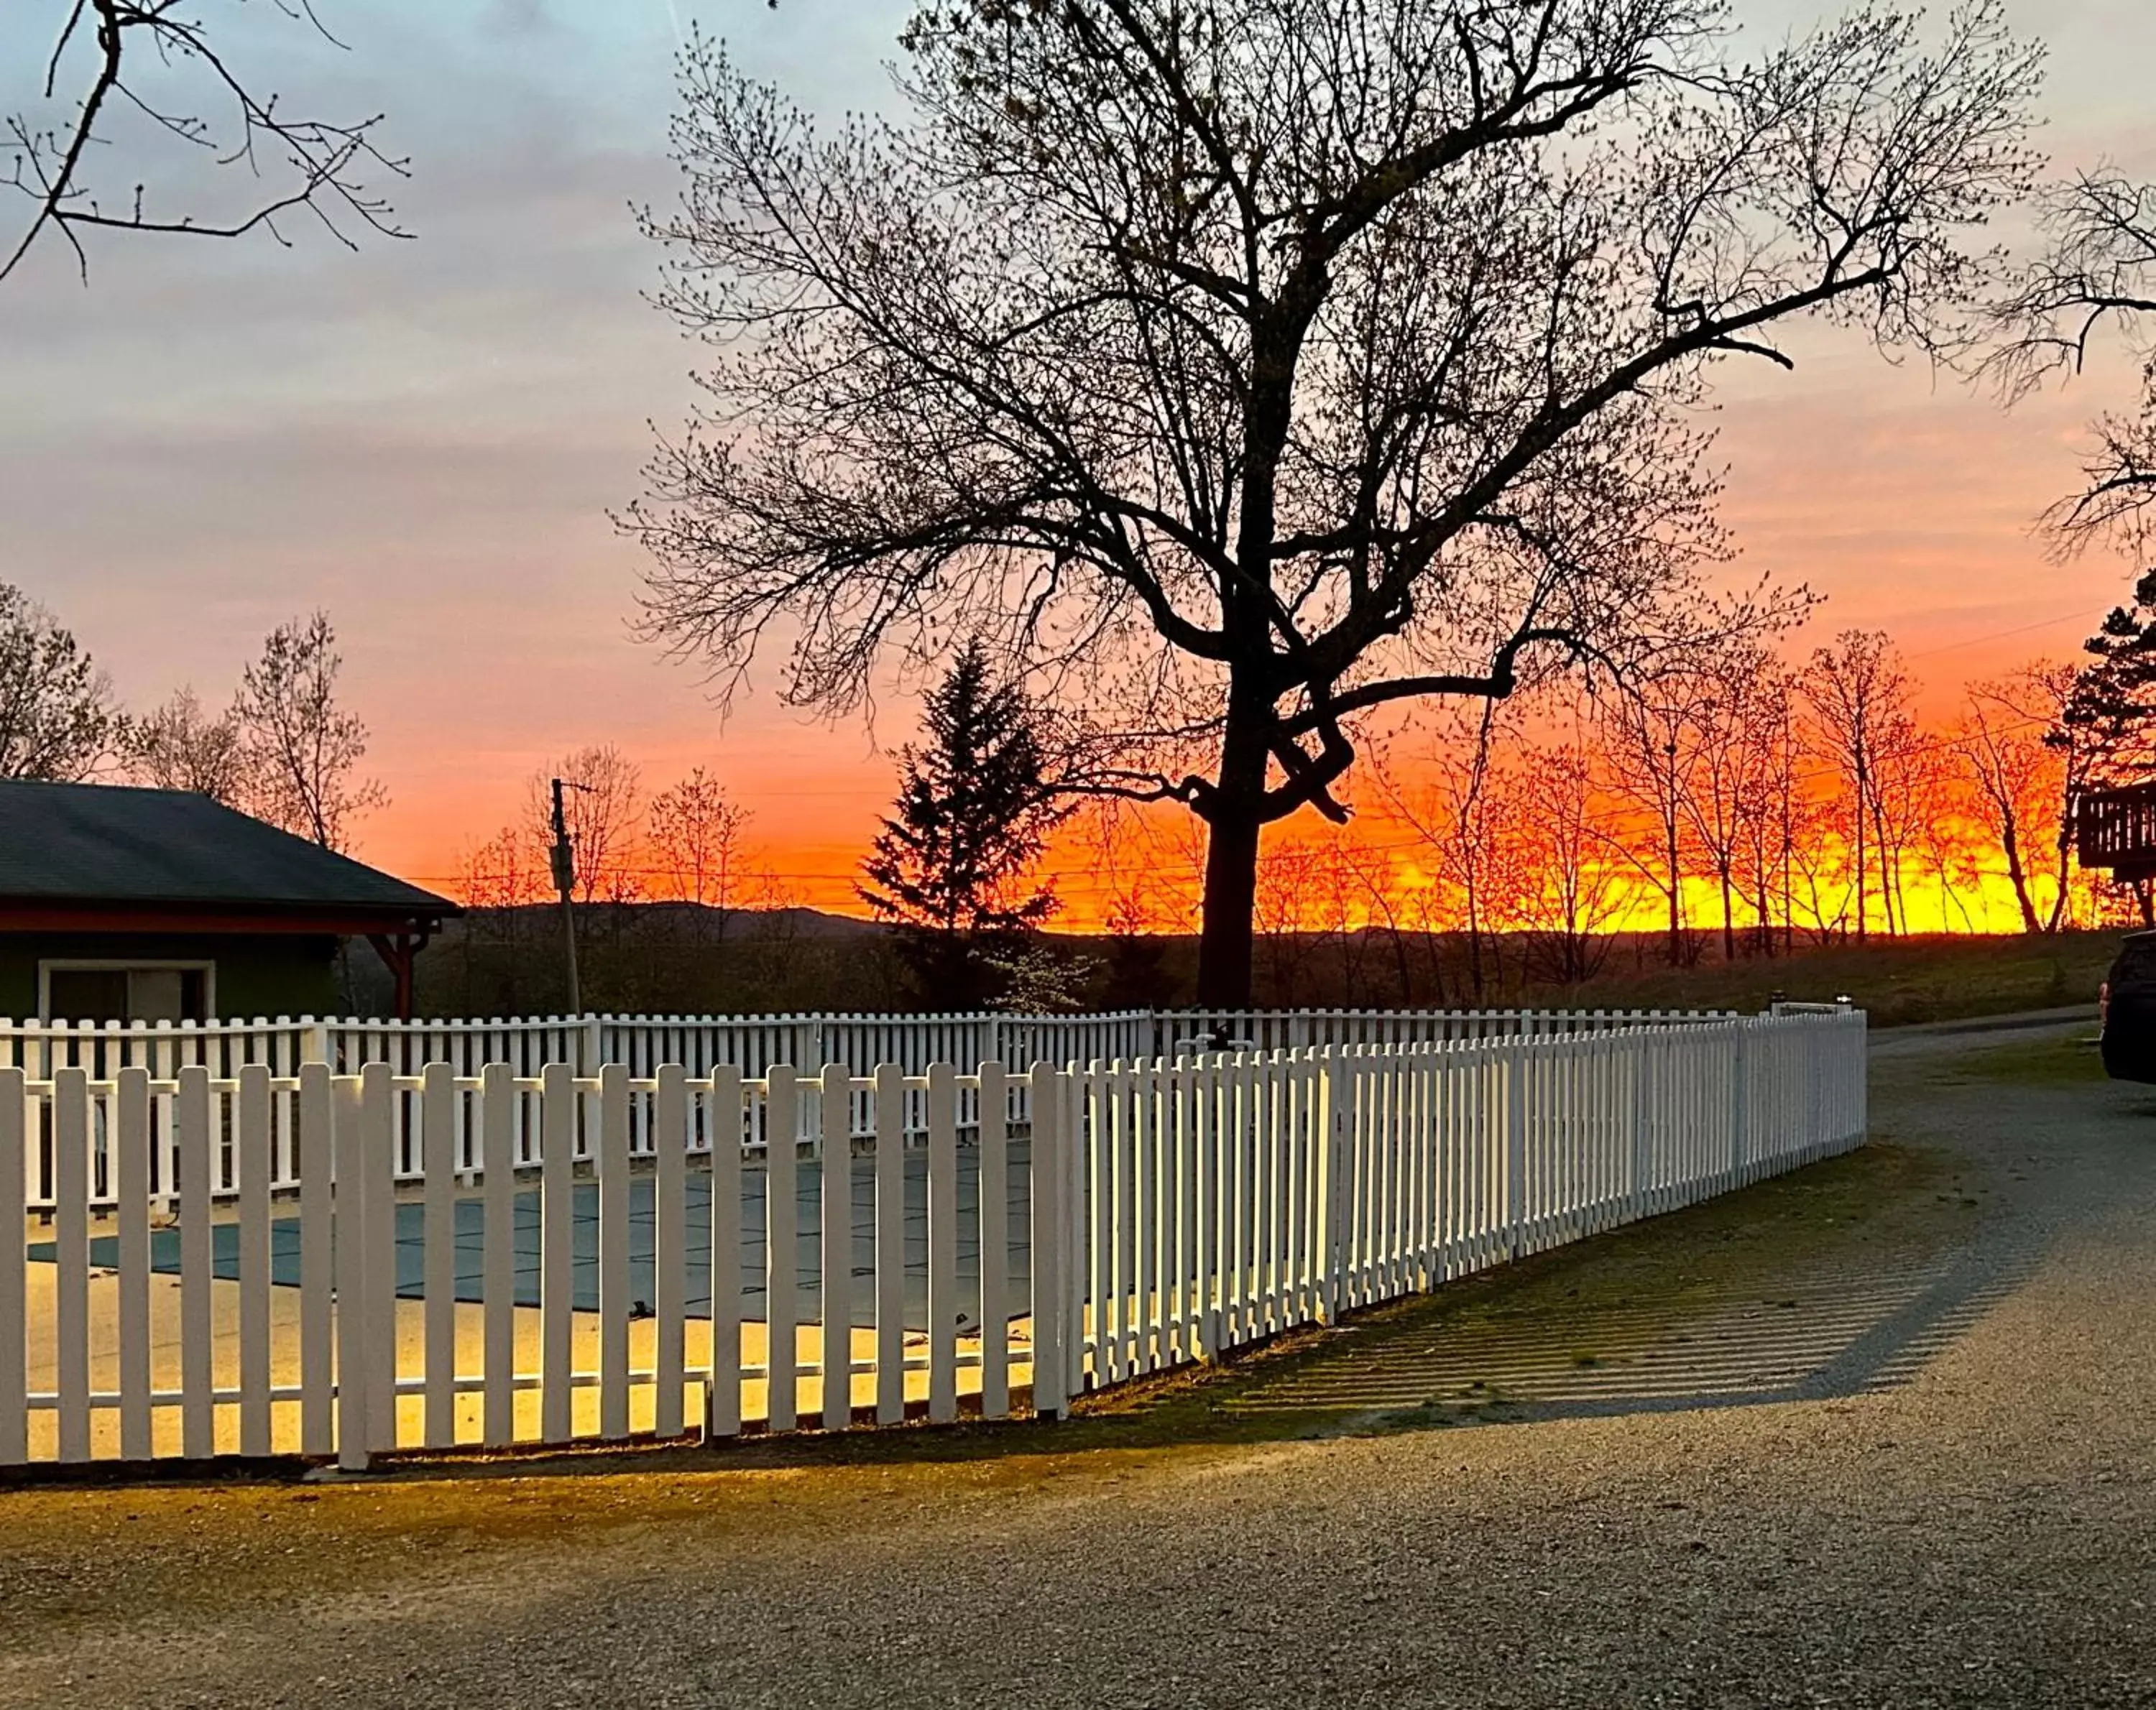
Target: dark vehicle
(2126,1008)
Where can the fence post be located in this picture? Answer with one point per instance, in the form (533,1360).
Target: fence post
(377,1108)
(1642,1055)
(1051,1307)
(1740,1101)
(1857,1045)
(351,1178)
(835,1241)
(1335,1111)
(1516,1145)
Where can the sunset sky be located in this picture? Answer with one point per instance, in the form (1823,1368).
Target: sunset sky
(424,438)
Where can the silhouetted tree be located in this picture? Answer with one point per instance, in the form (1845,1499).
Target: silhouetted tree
(1858,696)
(2097,269)
(300,749)
(2112,711)
(1256,365)
(695,840)
(180,746)
(975,806)
(56,716)
(601,808)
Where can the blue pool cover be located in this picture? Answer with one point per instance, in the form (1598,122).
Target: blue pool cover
(471,1228)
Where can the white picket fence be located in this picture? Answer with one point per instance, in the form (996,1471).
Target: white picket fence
(328,1264)
(753,1044)
(1222,1200)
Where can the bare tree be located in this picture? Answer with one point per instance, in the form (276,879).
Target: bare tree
(696,830)
(1257,365)
(1726,791)
(1574,897)
(1651,747)
(1781,814)
(1910,775)
(162,67)
(601,810)
(2020,762)
(1292,928)
(505,872)
(56,716)
(2097,269)
(180,746)
(1466,811)
(300,749)
(1858,694)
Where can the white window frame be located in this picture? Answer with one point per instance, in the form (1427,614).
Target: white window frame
(49,966)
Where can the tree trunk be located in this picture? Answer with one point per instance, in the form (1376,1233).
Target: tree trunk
(1863,806)
(2010,842)
(1676,897)
(1226,938)
(2065,878)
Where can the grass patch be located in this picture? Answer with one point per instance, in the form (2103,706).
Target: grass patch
(2068,1061)
(1899,981)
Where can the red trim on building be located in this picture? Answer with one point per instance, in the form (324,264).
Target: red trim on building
(397,937)
(106,917)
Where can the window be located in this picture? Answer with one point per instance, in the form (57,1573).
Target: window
(125,991)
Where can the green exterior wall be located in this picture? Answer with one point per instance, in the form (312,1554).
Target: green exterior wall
(269,974)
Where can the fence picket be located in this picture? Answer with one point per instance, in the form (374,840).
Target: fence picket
(722,1391)
(994,1244)
(943,1243)
(1045,1143)
(70,1121)
(782,1254)
(352,1179)
(558,1140)
(318,1430)
(379,1109)
(498,1255)
(437,1121)
(614,1237)
(131,1189)
(253,1162)
(889,1141)
(835,1241)
(670,1140)
(198,1349)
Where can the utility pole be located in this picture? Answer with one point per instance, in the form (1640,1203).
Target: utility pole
(564,857)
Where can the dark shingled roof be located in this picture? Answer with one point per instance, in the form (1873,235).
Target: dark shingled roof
(102,843)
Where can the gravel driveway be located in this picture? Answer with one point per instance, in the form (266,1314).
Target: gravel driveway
(1879,1435)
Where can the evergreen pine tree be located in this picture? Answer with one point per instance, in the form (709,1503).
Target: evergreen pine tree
(2107,725)
(973,811)
(2111,713)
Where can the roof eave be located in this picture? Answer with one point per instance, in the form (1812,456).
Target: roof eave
(99,914)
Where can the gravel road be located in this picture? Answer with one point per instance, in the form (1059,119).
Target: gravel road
(1899,1454)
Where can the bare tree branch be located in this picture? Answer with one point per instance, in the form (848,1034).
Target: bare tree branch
(322,162)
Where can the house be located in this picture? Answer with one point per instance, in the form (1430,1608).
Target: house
(126,904)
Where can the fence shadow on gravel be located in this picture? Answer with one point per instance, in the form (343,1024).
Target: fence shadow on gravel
(1843,1332)
(1831,1335)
